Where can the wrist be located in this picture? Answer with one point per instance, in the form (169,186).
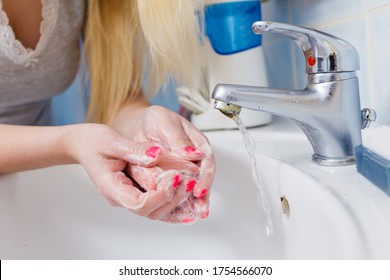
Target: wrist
(70,141)
(128,116)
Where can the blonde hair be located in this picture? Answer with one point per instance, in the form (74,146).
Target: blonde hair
(128,39)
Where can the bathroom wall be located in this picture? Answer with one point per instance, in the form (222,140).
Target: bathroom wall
(70,106)
(364,23)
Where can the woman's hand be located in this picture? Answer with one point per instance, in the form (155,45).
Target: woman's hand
(166,155)
(183,147)
(187,208)
(104,154)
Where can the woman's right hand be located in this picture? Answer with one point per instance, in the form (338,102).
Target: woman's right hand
(105,154)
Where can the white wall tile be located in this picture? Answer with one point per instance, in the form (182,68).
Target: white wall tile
(275,10)
(280,68)
(277,49)
(363,23)
(314,13)
(372,4)
(379,40)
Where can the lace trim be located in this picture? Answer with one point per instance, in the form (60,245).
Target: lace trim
(13,48)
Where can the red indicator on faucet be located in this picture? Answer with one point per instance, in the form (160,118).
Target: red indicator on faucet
(311,60)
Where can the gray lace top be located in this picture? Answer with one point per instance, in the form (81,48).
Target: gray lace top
(29,78)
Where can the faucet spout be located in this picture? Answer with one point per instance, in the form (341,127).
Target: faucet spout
(229,110)
(270,100)
(327,110)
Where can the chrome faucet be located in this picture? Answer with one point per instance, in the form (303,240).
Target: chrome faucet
(327,110)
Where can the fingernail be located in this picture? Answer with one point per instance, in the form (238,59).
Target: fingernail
(192,150)
(153,151)
(176,181)
(188,220)
(190,185)
(206,214)
(202,193)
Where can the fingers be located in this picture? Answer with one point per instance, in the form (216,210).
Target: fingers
(206,177)
(188,212)
(144,154)
(180,196)
(170,198)
(145,177)
(172,133)
(184,140)
(119,190)
(169,161)
(184,207)
(207,163)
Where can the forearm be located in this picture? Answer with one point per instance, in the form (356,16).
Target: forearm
(28,147)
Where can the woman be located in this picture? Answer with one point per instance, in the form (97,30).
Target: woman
(146,159)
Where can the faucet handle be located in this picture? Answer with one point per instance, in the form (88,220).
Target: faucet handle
(323,52)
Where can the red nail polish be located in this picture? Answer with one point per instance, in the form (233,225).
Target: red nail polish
(190,185)
(189,149)
(176,181)
(192,150)
(202,193)
(188,220)
(206,214)
(153,151)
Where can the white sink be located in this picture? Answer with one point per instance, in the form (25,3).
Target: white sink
(334,213)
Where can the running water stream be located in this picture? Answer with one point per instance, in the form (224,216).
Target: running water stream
(265,200)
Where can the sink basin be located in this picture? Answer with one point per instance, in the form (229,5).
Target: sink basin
(326,213)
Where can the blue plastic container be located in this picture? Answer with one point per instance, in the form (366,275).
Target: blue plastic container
(229,26)
(374,167)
